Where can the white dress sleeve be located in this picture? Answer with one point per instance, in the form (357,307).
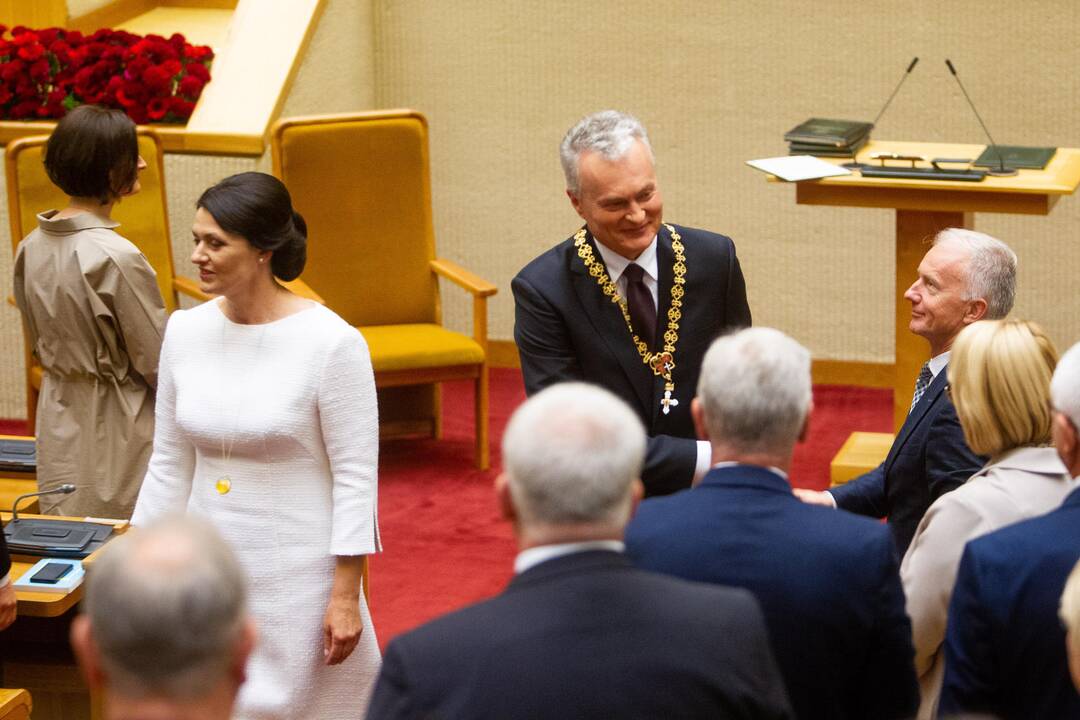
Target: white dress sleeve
(349,420)
(167,485)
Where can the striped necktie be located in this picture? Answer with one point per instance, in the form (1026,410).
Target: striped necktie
(921,383)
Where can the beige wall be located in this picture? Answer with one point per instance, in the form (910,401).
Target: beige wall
(718,83)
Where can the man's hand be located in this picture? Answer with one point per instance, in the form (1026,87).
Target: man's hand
(815,497)
(7,605)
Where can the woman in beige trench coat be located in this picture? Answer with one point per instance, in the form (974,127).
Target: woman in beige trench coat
(95,318)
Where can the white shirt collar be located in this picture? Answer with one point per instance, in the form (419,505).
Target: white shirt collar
(616,263)
(770,468)
(535,555)
(938,362)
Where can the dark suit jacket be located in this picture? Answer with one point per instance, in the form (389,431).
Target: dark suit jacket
(928,459)
(828,583)
(567,329)
(1004,643)
(587,636)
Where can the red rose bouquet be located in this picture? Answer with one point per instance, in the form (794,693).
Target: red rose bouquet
(45,73)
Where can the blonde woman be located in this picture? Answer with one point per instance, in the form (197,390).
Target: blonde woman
(999,380)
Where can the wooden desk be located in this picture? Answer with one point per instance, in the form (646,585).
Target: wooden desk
(40,657)
(923,207)
(40,604)
(14,704)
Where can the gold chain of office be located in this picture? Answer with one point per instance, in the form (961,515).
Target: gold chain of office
(663,362)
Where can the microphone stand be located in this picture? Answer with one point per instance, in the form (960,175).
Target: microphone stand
(854,164)
(65,489)
(1001,170)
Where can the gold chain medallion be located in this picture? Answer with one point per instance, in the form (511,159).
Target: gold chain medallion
(663,362)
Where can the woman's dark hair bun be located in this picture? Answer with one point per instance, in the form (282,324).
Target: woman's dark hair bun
(257,207)
(288,261)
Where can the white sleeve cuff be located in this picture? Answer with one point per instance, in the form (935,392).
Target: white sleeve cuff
(5,580)
(704,460)
(831,499)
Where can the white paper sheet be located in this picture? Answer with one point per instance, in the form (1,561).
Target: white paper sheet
(798,167)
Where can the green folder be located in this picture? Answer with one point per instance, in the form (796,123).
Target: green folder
(1015,156)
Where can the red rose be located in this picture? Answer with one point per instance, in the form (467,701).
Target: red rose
(31,52)
(39,71)
(157,79)
(198,70)
(181,108)
(5,95)
(12,71)
(22,36)
(47,36)
(24,109)
(191,86)
(138,115)
(199,52)
(136,68)
(173,67)
(157,108)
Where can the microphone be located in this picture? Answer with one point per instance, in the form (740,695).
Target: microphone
(1001,170)
(853,165)
(65,489)
(910,67)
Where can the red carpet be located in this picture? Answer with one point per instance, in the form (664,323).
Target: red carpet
(445,545)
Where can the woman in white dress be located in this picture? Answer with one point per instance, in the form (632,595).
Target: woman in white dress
(999,380)
(267,425)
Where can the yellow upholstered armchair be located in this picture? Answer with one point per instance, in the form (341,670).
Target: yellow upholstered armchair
(362,182)
(143,219)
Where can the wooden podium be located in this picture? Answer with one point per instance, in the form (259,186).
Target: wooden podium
(923,207)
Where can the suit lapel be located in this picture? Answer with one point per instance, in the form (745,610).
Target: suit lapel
(610,326)
(933,392)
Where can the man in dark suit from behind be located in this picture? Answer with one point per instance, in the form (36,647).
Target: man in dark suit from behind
(164,632)
(579,633)
(827,582)
(966,276)
(1005,648)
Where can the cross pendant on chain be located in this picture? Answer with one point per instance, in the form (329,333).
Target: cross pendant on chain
(668,402)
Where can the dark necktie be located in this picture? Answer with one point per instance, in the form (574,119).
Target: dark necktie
(639,302)
(921,383)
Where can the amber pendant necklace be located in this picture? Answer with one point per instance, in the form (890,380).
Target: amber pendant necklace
(224,483)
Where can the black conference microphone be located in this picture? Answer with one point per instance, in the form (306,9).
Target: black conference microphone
(65,489)
(911,66)
(1001,170)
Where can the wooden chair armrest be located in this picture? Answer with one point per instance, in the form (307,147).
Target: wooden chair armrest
(190,288)
(299,287)
(461,277)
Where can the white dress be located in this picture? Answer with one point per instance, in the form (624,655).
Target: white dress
(287,411)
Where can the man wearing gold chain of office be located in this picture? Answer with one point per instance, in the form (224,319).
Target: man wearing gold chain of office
(629,302)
